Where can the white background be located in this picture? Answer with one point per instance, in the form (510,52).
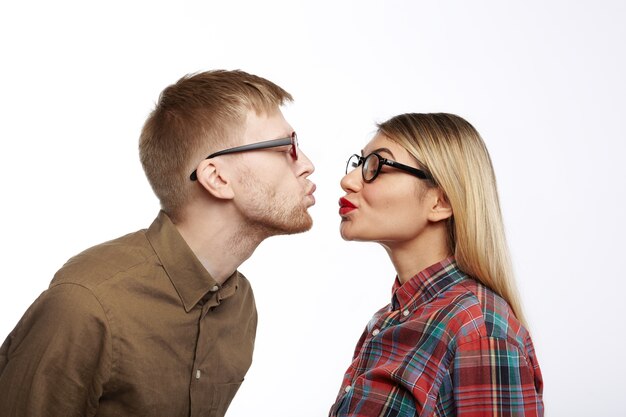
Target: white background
(542,81)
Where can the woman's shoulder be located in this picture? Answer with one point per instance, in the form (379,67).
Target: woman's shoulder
(476,312)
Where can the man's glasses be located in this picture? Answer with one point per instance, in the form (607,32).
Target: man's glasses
(373,163)
(292,140)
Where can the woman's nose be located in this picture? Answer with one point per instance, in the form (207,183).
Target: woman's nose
(352,181)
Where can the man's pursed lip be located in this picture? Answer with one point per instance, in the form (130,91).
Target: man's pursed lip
(310,193)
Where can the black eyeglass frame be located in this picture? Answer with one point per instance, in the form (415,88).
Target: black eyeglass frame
(266,144)
(421,174)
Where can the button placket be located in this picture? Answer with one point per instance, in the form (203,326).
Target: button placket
(201,376)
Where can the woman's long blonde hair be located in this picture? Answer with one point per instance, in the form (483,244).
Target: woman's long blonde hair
(453,152)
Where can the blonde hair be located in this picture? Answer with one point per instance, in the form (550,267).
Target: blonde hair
(452,151)
(191,119)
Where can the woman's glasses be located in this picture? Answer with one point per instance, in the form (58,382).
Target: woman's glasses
(373,163)
(274,143)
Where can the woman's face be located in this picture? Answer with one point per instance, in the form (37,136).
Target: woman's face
(391,209)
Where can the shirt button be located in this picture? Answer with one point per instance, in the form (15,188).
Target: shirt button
(215,288)
(375,332)
(348,389)
(198,374)
(405,313)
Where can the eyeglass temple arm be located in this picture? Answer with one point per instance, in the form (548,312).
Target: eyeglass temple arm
(260,145)
(251,147)
(418,172)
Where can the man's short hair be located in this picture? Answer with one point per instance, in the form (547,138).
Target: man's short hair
(193,118)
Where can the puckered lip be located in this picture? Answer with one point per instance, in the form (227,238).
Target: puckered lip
(345,203)
(309,195)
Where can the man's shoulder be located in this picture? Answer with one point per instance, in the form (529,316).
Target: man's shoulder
(99,263)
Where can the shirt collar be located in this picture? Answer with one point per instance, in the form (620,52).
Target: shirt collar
(192,281)
(426,284)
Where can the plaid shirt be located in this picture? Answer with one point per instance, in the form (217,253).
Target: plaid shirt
(445,346)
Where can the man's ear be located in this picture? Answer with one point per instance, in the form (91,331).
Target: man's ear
(215,180)
(440,208)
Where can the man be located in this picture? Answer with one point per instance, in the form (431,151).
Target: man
(160,322)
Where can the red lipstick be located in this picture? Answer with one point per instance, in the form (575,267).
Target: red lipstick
(345,206)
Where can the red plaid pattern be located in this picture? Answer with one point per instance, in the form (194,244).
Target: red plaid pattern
(445,346)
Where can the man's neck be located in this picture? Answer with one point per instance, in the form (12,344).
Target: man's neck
(221,246)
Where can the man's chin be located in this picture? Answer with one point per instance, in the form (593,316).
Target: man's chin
(297,224)
(304,224)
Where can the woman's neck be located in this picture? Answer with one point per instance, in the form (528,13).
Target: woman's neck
(411,257)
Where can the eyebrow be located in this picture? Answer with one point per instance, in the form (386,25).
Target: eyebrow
(379,150)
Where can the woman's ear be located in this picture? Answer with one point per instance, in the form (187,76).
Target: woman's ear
(440,208)
(215,180)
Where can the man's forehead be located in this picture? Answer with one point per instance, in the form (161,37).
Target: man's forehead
(265,126)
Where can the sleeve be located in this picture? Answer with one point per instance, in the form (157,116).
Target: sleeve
(58,357)
(492,377)
(380,398)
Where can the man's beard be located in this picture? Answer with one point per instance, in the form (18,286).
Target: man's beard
(271,214)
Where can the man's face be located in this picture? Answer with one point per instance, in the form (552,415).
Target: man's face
(273,191)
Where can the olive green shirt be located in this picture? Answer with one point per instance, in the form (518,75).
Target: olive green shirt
(132,327)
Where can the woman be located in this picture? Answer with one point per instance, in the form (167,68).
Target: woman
(453,340)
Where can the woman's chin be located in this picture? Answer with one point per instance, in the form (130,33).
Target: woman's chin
(345,236)
(344,231)
(351,235)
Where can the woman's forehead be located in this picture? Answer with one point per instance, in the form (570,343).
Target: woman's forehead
(382,144)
